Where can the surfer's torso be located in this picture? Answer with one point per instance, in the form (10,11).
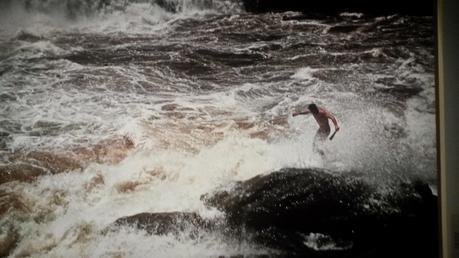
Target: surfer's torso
(322,120)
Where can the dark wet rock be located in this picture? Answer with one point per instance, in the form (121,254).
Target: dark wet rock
(245,37)
(169,107)
(165,223)
(343,28)
(4,70)
(170,6)
(4,138)
(333,7)
(228,58)
(96,55)
(7,96)
(400,91)
(282,209)
(314,213)
(284,203)
(44,128)
(10,126)
(190,68)
(27,36)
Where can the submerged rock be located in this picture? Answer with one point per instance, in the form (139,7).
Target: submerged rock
(27,36)
(8,241)
(20,172)
(11,202)
(27,166)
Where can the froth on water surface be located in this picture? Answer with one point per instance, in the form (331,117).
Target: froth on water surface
(113,110)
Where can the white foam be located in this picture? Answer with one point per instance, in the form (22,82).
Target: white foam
(352,15)
(136,18)
(47,18)
(321,242)
(183,153)
(181,181)
(306,73)
(37,49)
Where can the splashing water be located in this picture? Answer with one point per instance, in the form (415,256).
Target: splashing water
(203,93)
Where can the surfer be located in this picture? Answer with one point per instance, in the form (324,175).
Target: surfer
(321,115)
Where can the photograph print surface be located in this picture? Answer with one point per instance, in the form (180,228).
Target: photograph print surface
(224,128)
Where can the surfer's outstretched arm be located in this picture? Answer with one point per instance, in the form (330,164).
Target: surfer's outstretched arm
(301,113)
(333,119)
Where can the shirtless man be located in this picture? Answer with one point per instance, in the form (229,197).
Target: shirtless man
(321,115)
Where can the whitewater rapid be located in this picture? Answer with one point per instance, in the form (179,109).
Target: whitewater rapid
(151,109)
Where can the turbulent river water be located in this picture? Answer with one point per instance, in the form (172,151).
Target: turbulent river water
(144,107)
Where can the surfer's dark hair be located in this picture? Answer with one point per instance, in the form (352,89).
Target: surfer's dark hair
(313,108)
